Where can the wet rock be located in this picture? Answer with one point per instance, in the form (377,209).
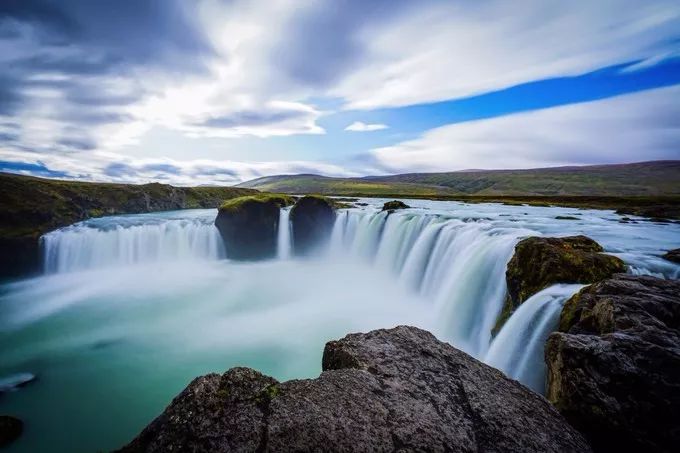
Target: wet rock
(312,218)
(249,225)
(539,262)
(10,429)
(386,390)
(672,255)
(14,381)
(614,367)
(394,204)
(566,217)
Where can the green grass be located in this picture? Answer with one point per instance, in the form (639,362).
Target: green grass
(235,204)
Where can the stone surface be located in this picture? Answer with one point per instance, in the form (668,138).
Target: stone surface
(312,219)
(249,225)
(614,369)
(386,390)
(394,204)
(10,429)
(539,262)
(672,255)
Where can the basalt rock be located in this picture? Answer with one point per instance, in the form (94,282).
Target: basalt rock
(614,367)
(312,219)
(539,262)
(386,390)
(10,429)
(249,225)
(672,255)
(394,204)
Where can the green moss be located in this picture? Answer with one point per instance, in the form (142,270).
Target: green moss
(268,393)
(236,204)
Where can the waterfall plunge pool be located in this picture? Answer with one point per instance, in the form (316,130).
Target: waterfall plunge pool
(131,308)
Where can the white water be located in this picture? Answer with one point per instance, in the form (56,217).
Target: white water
(133,307)
(284,242)
(128,240)
(518,348)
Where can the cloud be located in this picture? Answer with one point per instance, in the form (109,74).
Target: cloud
(633,127)
(446,50)
(112,167)
(358,126)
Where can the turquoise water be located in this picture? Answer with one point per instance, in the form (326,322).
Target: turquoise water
(134,307)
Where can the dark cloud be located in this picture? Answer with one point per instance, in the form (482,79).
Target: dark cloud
(214,171)
(164,168)
(253,118)
(320,45)
(116,170)
(8,137)
(78,144)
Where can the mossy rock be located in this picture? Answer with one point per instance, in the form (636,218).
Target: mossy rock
(394,204)
(312,219)
(539,262)
(10,429)
(249,225)
(672,255)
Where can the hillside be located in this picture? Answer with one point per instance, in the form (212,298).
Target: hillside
(658,178)
(30,207)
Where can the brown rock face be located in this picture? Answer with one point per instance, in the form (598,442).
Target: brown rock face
(312,218)
(249,225)
(539,262)
(387,390)
(614,370)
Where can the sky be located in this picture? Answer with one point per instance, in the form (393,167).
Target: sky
(223,91)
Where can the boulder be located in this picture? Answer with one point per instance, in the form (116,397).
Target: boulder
(312,219)
(386,390)
(539,262)
(10,429)
(249,225)
(614,367)
(394,204)
(672,255)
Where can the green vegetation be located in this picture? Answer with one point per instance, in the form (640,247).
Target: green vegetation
(236,204)
(649,189)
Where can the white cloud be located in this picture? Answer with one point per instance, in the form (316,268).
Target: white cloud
(633,127)
(358,126)
(450,50)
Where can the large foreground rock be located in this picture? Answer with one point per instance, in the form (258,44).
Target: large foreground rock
(540,262)
(614,370)
(10,429)
(312,218)
(249,225)
(387,390)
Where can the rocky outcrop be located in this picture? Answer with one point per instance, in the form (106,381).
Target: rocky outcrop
(386,390)
(249,225)
(394,204)
(30,207)
(312,219)
(539,262)
(10,429)
(672,255)
(614,369)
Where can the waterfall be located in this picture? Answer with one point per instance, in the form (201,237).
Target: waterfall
(517,350)
(98,243)
(458,266)
(283,242)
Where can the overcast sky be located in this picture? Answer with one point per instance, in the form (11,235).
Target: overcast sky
(220,91)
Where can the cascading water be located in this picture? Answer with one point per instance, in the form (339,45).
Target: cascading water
(284,243)
(147,330)
(459,266)
(518,348)
(105,242)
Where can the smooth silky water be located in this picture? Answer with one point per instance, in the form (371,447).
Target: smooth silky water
(131,308)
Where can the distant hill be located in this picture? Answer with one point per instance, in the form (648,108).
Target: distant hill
(656,178)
